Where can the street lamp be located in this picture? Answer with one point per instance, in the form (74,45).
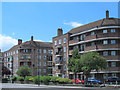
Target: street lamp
(12,66)
(38,69)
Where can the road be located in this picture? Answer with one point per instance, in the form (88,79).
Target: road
(9,86)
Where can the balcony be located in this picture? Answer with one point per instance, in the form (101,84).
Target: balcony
(59,71)
(107,35)
(101,46)
(59,46)
(111,57)
(73,41)
(112,69)
(87,48)
(108,46)
(59,54)
(90,37)
(58,62)
(70,52)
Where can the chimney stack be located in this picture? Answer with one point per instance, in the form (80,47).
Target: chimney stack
(19,41)
(59,32)
(107,14)
(31,38)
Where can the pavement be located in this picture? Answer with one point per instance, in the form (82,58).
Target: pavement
(9,86)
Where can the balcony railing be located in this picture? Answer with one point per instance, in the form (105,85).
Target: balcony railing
(59,53)
(58,62)
(59,71)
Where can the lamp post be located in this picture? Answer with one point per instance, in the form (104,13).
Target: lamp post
(38,69)
(12,66)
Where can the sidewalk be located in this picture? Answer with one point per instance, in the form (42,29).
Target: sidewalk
(55,86)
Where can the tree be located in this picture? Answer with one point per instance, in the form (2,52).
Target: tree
(24,71)
(92,61)
(5,71)
(74,64)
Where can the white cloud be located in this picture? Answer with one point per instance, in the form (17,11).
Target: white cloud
(6,42)
(74,24)
(39,40)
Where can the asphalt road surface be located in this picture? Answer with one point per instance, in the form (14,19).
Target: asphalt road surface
(9,86)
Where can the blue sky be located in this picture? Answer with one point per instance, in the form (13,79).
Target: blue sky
(23,19)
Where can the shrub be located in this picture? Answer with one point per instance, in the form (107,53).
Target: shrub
(36,79)
(46,79)
(54,79)
(64,80)
(5,80)
(20,78)
(14,78)
(28,78)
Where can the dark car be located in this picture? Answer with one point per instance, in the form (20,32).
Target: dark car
(113,79)
(94,81)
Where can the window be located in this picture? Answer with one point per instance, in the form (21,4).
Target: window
(92,33)
(45,57)
(64,40)
(44,51)
(17,58)
(64,58)
(75,38)
(104,31)
(60,41)
(39,50)
(93,44)
(49,51)
(13,52)
(45,64)
(39,57)
(113,64)
(105,53)
(55,42)
(113,53)
(39,71)
(39,63)
(112,30)
(113,41)
(25,63)
(16,51)
(105,42)
(64,49)
(44,70)
(65,67)
(55,51)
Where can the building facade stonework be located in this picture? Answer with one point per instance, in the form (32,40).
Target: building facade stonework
(37,55)
(102,36)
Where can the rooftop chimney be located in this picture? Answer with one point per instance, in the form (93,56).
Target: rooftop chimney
(59,32)
(19,41)
(107,14)
(31,38)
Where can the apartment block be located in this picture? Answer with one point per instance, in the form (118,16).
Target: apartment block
(102,36)
(37,55)
(1,63)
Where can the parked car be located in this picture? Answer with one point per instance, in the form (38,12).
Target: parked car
(94,81)
(78,81)
(113,79)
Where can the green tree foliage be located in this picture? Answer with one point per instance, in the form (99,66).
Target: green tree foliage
(74,64)
(5,71)
(24,71)
(92,61)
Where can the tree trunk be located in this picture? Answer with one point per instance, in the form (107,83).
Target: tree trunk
(75,77)
(87,75)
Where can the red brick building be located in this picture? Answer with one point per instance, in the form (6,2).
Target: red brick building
(102,36)
(37,55)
